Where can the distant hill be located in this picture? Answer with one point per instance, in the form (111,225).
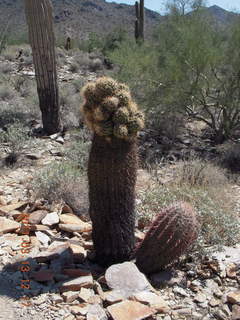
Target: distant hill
(78,18)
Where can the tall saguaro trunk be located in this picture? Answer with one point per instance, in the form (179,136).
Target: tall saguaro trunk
(139,23)
(41,36)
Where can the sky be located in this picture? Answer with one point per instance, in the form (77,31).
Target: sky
(157,5)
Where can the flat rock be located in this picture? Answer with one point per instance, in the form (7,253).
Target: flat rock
(74,273)
(152,299)
(85,294)
(83,227)
(70,218)
(234,297)
(78,252)
(126,279)
(37,216)
(70,296)
(200,298)
(80,309)
(42,237)
(56,298)
(77,284)
(50,219)
(11,207)
(112,297)
(7,225)
(130,310)
(96,312)
(53,252)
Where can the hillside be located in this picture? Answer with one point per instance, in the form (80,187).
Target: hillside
(78,17)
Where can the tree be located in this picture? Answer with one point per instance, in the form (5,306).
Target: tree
(41,36)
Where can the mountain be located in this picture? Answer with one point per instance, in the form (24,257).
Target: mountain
(78,18)
(221,16)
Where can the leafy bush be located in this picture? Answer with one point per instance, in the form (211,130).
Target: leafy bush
(6,93)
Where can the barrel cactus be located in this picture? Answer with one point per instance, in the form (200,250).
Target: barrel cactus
(109,111)
(173,231)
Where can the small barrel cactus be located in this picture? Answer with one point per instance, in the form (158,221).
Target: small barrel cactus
(110,112)
(173,231)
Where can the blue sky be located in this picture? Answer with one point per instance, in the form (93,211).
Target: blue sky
(233,5)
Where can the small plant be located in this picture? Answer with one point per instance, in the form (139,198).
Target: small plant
(6,93)
(230,157)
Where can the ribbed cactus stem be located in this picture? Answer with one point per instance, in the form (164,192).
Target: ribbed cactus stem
(173,231)
(139,22)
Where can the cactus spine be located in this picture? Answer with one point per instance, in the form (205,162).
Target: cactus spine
(139,22)
(172,232)
(109,110)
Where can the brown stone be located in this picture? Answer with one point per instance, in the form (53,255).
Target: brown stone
(236,312)
(7,225)
(214,302)
(77,284)
(231,271)
(78,252)
(37,216)
(52,252)
(130,310)
(234,297)
(70,296)
(153,300)
(13,206)
(80,309)
(84,227)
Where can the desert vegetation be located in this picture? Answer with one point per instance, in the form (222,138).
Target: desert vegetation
(132,133)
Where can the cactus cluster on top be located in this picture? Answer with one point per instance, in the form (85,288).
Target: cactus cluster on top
(109,109)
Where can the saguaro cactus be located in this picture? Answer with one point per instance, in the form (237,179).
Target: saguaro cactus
(139,23)
(115,120)
(41,36)
(173,231)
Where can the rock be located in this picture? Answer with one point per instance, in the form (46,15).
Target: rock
(3,201)
(234,297)
(70,218)
(70,296)
(112,297)
(130,310)
(43,275)
(50,219)
(37,216)
(126,279)
(219,314)
(42,237)
(85,294)
(80,309)
(56,298)
(96,312)
(77,284)
(236,312)
(200,298)
(231,270)
(60,140)
(54,252)
(7,225)
(214,302)
(152,299)
(38,227)
(84,227)
(182,312)
(180,291)
(78,252)
(217,293)
(11,207)
(33,155)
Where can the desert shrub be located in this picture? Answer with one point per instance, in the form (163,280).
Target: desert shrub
(95,65)
(200,173)
(15,135)
(6,93)
(230,157)
(61,182)
(74,67)
(215,208)
(70,106)
(78,84)
(6,68)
